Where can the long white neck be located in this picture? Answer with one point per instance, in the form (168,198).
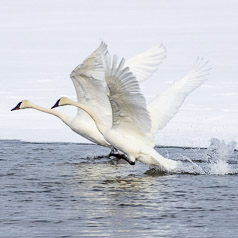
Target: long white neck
(66,119)
(100,125)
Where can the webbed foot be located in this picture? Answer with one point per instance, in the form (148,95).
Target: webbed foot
(122,156)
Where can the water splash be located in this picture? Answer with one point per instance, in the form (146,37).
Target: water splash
(215,160)
(187,166)
(218,154)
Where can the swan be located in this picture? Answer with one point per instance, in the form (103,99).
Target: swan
(161,109)
(83,75)
(86,128)
(130,131)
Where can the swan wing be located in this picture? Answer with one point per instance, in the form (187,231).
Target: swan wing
(163,108)
(144,64)
(128,104)
(89,81)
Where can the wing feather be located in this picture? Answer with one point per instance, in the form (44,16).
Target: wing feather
(163,108)
(144,64)
(89,81)
(128,104)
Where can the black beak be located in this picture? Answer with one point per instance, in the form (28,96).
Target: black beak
(56,104)
(17,107)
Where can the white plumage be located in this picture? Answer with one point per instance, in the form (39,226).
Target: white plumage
(131,121)
(145,64)
(127,103)
(163,107)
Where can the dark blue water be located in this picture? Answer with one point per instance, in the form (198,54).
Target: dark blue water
(62,190)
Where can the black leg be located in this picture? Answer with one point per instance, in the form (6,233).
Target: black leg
(113,151)
(122,156)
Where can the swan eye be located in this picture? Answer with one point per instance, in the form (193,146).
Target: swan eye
(17,107)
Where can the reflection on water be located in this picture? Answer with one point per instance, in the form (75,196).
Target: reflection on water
(61,190)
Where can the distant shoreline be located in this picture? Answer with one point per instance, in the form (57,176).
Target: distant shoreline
(80,143)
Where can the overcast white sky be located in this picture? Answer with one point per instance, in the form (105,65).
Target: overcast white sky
(42,41)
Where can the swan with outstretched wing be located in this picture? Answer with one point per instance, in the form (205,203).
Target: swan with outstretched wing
(131,124)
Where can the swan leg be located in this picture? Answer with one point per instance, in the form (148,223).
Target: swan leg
(113,151)
(122,156)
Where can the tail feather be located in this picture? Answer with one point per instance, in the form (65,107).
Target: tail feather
(155,159)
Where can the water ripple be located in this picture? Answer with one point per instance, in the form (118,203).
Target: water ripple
(63,190)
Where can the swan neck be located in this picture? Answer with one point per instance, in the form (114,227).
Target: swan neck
(54,112)
(101,127)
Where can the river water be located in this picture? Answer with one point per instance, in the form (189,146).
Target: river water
(64,190)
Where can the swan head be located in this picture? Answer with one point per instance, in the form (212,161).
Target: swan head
(62,102)
(22,105)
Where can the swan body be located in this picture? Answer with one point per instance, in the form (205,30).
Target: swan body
(138,148)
